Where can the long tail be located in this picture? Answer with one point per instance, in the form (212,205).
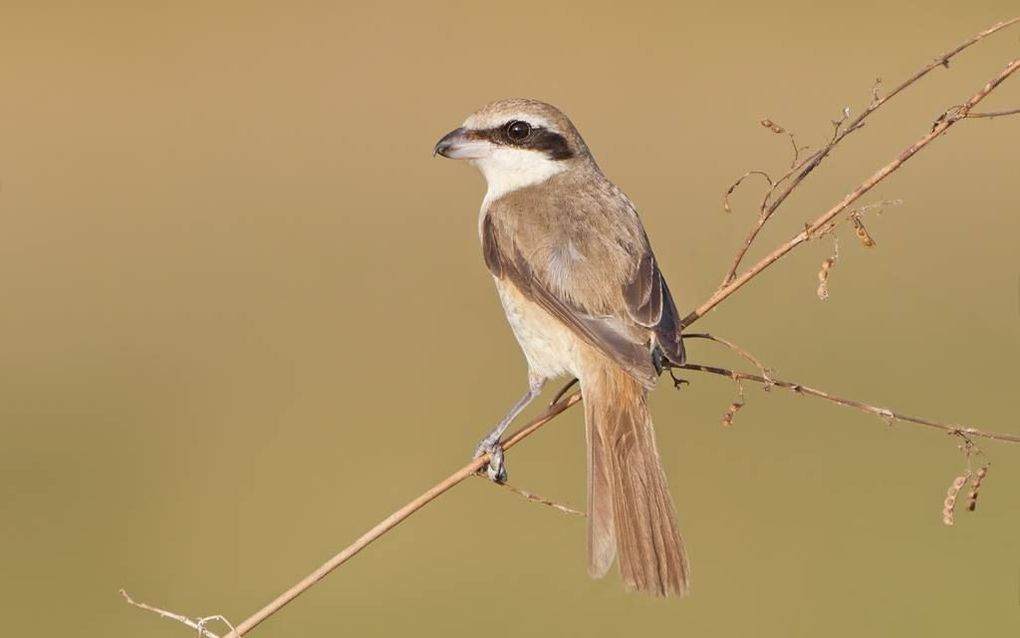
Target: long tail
(630,511)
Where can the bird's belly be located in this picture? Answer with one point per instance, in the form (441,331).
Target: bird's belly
(551,348)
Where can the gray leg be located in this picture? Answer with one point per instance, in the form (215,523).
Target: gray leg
(490,444)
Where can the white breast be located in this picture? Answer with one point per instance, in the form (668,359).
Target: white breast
(551,348)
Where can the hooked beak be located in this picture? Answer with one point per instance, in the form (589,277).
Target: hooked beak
(459,144)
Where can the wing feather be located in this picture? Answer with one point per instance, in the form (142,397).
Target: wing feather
(601,332)
(650,304)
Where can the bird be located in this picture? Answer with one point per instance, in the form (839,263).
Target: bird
(585,298)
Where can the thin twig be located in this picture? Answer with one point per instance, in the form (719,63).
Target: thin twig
(740,180)
(994,114)
(562,391)
(813,161)
(810,229)
(885,414)
(533,498)
(766,372)
(198,624)
(396,518)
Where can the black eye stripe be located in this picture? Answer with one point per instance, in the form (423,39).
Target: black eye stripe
(554,145)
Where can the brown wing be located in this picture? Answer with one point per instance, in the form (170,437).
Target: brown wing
(598,331)
(650,304)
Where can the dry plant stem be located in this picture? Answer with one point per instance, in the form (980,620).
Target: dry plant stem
(551,412)
(396,518)
(740,180)
(995,114)
(197,624)
(735,348)
(534,498)
(883,413)
(810,229)
(812,162)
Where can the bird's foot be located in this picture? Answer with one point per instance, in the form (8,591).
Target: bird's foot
(495,468)
(677,381)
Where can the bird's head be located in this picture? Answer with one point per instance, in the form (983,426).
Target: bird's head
(516,143)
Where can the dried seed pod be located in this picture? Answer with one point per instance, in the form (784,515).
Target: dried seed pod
(823,278)
(975,487)
(731,411)
(949,504)
(862,232)
(772,126)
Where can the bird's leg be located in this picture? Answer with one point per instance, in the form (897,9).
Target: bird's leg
(491,445)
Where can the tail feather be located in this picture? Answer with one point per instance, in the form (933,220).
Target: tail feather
(601,532)
(630,511)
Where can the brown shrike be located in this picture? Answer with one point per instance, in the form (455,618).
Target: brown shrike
(585,297)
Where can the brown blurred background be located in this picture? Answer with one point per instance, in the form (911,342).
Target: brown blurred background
(245,316)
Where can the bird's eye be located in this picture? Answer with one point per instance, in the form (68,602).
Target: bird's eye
(518,131)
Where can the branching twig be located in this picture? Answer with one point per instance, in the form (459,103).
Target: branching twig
(198,624)
(765,371)
(814,160)
(889,416)
(740,180)
(809,231)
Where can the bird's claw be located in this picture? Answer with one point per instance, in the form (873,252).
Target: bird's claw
(495,469)
(677,381)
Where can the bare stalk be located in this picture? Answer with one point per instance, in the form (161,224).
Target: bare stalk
(198,624)
(994,114)
(395,519)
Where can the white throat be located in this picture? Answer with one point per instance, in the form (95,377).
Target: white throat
(509,169)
